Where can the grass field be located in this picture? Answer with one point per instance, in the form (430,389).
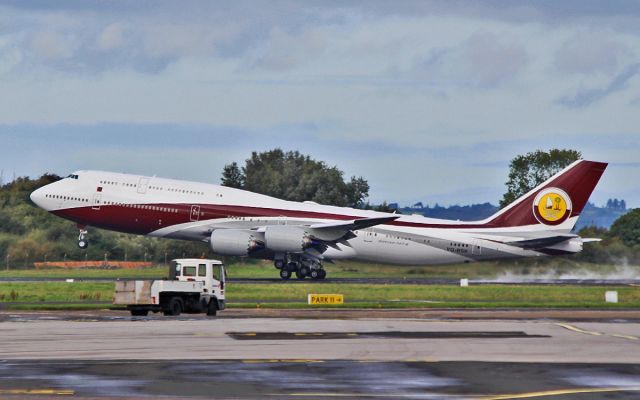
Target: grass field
(55,291)
(280,295)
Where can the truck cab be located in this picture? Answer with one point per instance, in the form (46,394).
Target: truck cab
(210,272)
(194,285)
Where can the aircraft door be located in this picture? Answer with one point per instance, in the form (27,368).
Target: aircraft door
(476,249)
(96,201)
(143,183)
(195,213)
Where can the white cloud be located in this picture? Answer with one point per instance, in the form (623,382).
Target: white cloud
(111,37)
(51,46)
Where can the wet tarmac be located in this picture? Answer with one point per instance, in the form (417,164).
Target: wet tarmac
(318,379)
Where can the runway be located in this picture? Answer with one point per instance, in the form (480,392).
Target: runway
(402,354)
(375,281)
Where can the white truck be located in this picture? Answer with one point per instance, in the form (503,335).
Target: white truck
(194,286)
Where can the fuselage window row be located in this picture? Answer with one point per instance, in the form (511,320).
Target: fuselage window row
(153,187)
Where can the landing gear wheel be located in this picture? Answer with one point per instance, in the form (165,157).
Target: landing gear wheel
(292,267)
(315,274)
(139,313)
(285,274)
(83,242)
(174,307)
(278,264)
(322,274)
(213,308)
(303,272)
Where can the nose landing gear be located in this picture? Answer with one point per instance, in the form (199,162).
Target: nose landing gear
(83,242)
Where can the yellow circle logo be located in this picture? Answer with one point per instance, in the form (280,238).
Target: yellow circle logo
(552,206)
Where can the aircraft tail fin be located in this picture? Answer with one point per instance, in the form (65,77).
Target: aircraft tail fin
(557,202)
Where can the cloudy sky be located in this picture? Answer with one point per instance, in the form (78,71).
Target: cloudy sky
(427,100)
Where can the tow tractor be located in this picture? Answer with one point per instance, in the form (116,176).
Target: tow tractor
(194,286)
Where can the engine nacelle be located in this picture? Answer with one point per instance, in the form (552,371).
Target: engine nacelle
(286,239)
(234,242)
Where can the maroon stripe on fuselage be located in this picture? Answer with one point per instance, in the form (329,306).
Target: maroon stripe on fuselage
(135,219)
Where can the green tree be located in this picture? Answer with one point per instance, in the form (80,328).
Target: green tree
(357,192)
(296,177)
(529,170)
(627,228)
(232,176)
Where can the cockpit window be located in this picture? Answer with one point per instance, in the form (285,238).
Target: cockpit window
(73,176)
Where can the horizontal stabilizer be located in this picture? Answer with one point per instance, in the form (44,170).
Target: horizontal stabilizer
(540,243)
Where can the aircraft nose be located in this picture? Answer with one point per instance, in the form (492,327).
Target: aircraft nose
(37,197)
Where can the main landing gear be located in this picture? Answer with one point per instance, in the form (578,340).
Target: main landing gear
(83,242)
(301,268)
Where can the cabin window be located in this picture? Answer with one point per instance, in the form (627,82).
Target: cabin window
(189,271)
(202,269)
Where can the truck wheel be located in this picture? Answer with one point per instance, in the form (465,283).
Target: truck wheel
(213,308)
(139,313)
(174,307)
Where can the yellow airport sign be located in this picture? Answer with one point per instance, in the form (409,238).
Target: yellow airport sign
(315,299)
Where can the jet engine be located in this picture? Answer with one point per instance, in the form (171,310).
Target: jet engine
(234,242)
(287,239)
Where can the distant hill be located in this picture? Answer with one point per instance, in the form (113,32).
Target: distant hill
(601,217)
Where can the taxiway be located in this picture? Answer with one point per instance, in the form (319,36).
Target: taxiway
(365,354)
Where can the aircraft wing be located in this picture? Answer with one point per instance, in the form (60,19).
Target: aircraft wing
(330,233)
(355,224)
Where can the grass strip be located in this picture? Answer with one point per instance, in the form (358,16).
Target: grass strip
(279,295)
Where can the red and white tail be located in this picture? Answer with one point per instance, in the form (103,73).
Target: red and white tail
(556,201)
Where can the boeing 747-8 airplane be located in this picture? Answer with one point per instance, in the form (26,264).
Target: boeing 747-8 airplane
(299,237)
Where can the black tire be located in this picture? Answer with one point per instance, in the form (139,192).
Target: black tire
(315,274)
(285,274)
(300,275)
(174,307)
(278,264)
(139,313)
(292,267)
(83,243)
(212,309)
(322,274)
